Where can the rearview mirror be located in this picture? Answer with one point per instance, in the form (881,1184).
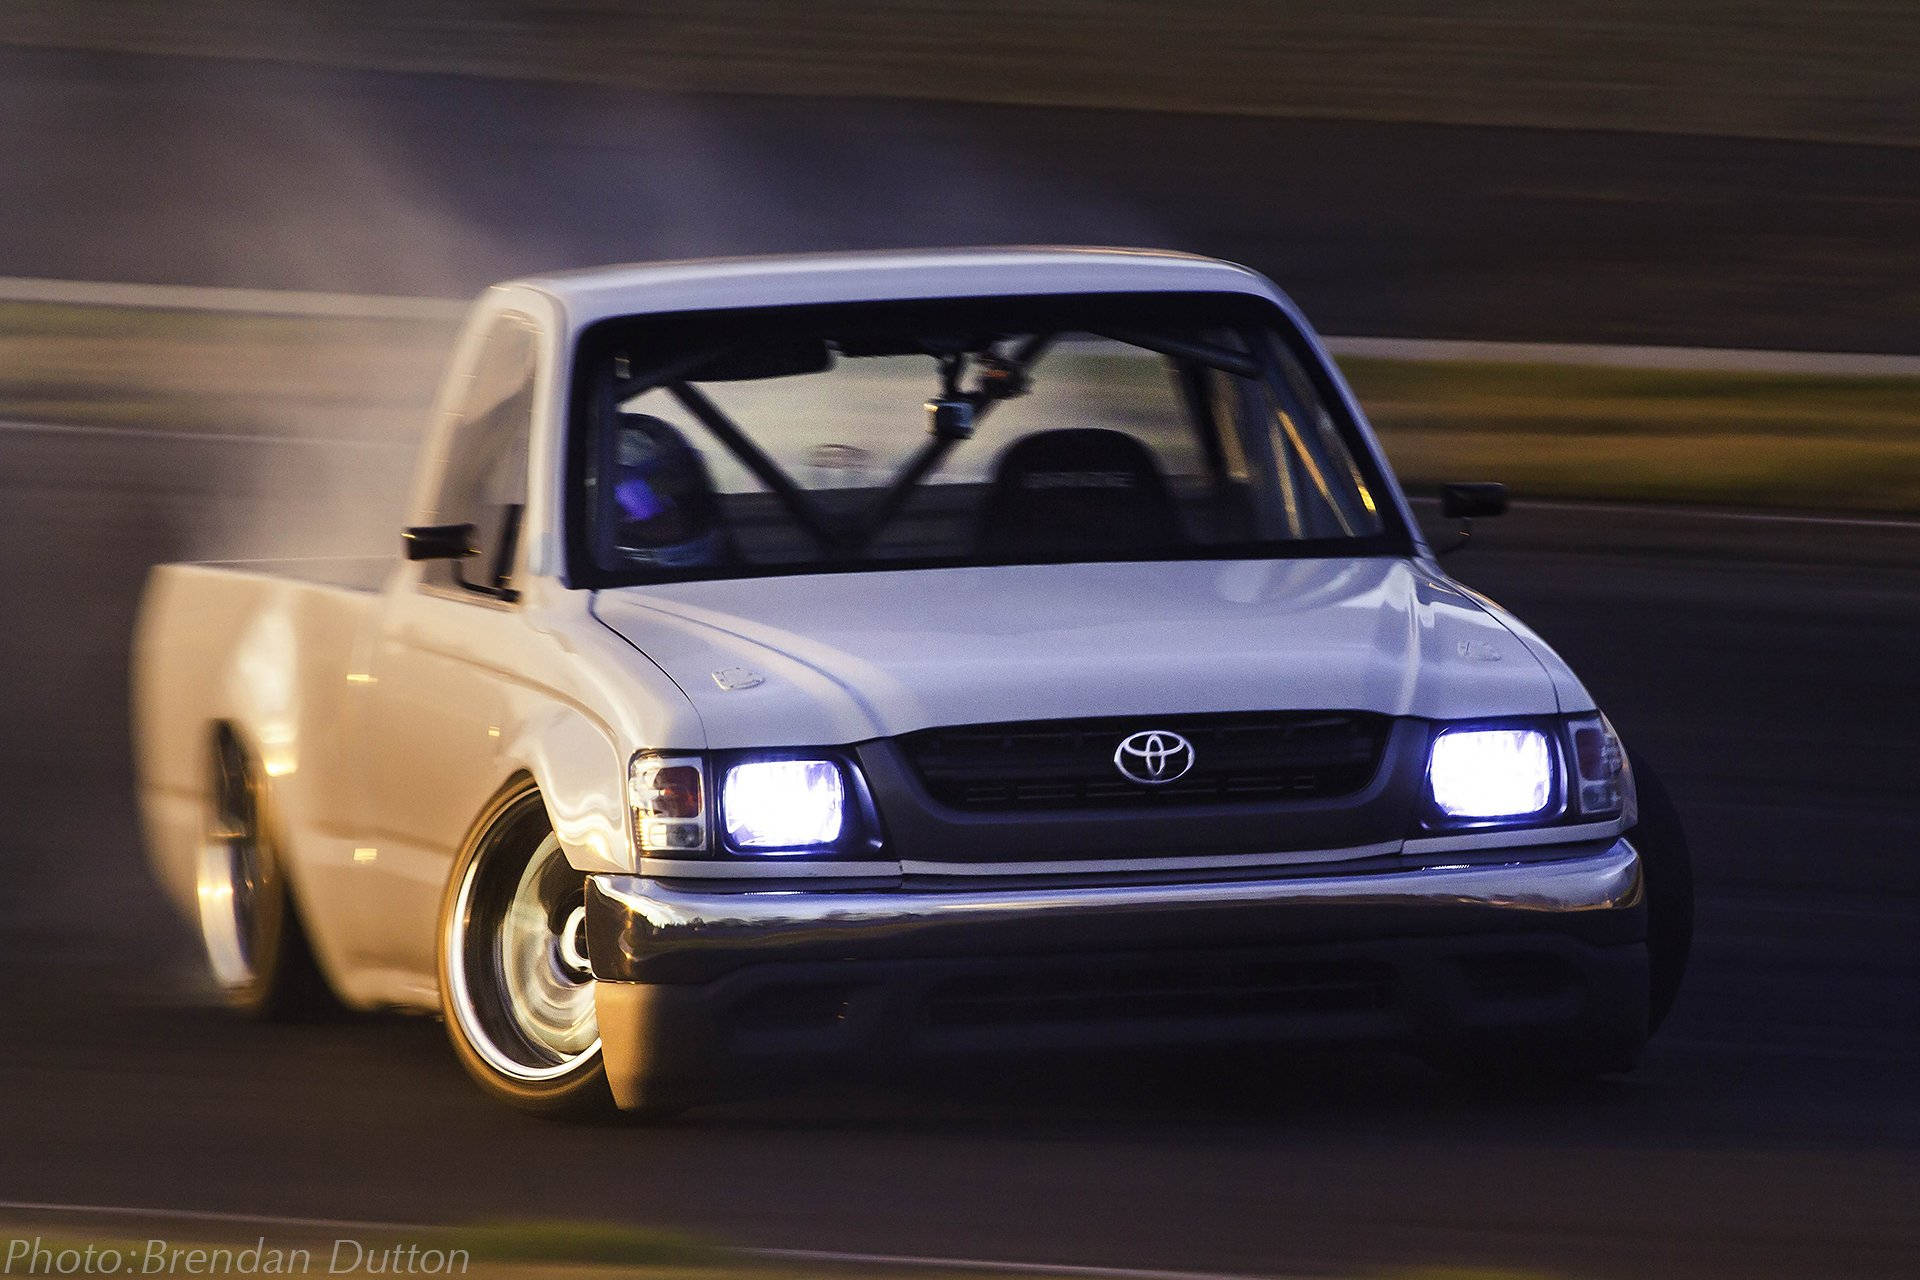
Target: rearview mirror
(1472,501)
(765,360)
(439,542)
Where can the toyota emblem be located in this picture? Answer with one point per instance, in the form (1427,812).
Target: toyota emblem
(1154,757)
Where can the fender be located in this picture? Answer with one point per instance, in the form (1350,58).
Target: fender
(582,780)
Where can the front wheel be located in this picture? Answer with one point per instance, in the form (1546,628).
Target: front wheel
(515,985)
(1667,864)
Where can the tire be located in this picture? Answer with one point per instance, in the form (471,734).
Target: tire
(256,945)
(514,984)
(1667,865)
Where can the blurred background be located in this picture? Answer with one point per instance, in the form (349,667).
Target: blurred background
(1652,264)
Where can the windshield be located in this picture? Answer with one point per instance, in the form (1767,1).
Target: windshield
(1001,431)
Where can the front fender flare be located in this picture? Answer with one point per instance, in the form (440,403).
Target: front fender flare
(582,781)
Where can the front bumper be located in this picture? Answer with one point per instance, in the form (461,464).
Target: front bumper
(1551,945)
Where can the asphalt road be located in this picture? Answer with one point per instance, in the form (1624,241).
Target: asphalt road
(198,171)
(1764,665)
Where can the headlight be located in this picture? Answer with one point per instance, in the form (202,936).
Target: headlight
(1488,774)
(783,804)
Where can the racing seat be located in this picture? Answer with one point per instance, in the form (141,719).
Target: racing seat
(1077,492)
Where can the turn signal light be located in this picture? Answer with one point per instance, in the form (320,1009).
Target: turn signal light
(668,796)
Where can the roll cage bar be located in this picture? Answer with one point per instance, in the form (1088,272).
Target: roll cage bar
(1001,378)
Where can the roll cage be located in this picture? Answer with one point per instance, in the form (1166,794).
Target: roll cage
(1002,366)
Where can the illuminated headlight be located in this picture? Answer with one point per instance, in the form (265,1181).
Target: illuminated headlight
(1486,774)
(783,804)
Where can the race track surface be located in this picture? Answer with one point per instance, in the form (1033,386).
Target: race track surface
(1764,665)
(199,171)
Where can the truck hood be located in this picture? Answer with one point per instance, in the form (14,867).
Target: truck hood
(838,658)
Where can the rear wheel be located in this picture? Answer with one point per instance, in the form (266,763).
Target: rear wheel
(515,985)
(255,944)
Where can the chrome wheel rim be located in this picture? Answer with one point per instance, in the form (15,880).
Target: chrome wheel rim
(230,876)
(543,960)
(521,986)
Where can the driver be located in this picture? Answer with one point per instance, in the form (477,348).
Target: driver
(666,510)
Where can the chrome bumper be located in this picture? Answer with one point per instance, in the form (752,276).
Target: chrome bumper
(649,931)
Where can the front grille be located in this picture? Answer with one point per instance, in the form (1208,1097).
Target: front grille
(1069,764)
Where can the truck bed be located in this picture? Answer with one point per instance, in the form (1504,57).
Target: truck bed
(266,646)
(365,574)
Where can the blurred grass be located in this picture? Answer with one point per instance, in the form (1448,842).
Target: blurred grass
(1760,439)
(1762,68)
(350,378)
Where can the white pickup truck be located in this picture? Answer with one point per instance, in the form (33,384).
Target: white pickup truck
(912,653)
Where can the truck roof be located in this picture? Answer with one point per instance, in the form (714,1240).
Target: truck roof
(799,279)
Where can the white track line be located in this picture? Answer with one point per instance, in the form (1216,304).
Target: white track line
(369,558)
(979,1264)
(283,302)
(1707,513)
(195,437)
(796,1255)
(1685,359)
(266,302)
(204,1215)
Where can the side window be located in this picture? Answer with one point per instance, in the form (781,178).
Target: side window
(484,482)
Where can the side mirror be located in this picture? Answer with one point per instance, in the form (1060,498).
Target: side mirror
(1472,501)
(1465,502)
(439,542)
